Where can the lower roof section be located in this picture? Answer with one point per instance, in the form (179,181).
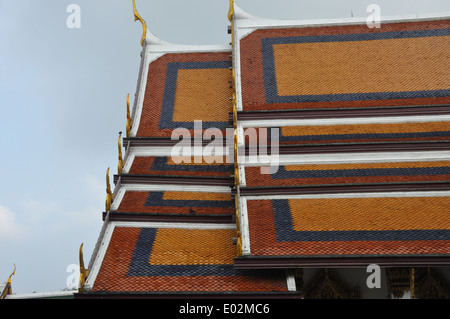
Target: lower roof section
(280,262)
(348,229)
(353,173)
(170,258)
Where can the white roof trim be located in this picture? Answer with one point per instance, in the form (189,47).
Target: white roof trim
(155,44)
(174,225)
(346,121)
(245,233)
(40,295)
(290,280)
(248,23)
(347,158)
(351,195)
(93,272)
(164,187)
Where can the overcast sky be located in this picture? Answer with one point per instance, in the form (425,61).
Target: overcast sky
(63,102)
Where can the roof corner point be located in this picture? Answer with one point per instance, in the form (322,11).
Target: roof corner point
(231,11)
(144,25)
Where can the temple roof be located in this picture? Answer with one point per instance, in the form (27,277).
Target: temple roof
(360,164)
(177,258)
(340,63)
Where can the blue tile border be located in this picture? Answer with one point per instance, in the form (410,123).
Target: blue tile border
(140,265)
(156,199)
(168,104)
(160,164)
(282,173)
(270,84)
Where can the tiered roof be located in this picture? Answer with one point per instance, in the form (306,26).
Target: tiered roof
(360,170)
(170,230)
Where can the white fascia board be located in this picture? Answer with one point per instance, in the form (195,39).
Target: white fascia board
(351,158)
(128,163)
(351,195)
(174,225)
(247,23)
(42,295)
(93,272)
(151,151)
(346,121)
(290,280)
(245,233)
(237,61)
(167,150)
(156,45)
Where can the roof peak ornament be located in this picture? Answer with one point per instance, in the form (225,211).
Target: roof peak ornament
(121,163)
(8,289)
(144,25)
(83,271)
(129,120)
(109,194)
(231,11)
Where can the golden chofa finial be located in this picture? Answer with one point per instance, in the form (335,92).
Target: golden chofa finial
(13,273)
(120,165)
(83,271)
(231,11)
(129,120)
(109,194)
(8,289)
(144,25)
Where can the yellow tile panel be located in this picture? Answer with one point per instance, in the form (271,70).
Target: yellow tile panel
(376,214)
(202,94)
(196,196)
(193,247)
(365,129)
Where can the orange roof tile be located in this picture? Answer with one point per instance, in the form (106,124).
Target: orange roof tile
(178,260)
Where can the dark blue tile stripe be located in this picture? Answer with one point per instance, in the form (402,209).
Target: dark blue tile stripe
(168,104)
(156,199)
(140,266)
(160,164)
(282,173)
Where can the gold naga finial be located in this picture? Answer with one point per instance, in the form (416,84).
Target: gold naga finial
(129,120)
(109,194)
(144,25)
(231,11)
(13,273)
(83,271)
(120,165)
(8,289)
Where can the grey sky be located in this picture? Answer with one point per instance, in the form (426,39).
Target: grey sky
(63,102)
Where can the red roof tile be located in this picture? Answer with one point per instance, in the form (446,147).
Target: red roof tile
(139,259)
(349,226)
(407,69)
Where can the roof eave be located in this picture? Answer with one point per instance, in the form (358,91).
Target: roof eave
(286,262)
